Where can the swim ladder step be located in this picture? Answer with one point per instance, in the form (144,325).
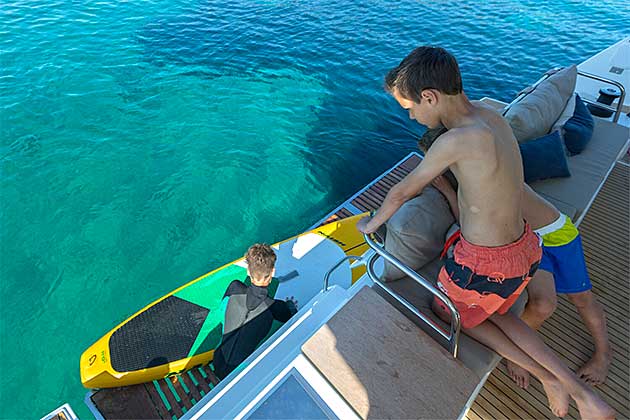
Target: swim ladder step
(168,398)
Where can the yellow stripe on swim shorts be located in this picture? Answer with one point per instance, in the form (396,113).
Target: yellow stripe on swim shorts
(560,236)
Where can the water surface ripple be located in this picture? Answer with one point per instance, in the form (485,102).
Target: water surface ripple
(145,143)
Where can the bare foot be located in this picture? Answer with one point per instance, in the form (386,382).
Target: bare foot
(558,397)
(518,374)
(592,407)
(595,371)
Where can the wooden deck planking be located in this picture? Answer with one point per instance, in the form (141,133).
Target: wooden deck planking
(210,376)
(200,380)
(157,401)
(194,392)
(176,408)
(181,393)
(135,401)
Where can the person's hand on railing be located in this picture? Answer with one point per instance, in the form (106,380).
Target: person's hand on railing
(362,225)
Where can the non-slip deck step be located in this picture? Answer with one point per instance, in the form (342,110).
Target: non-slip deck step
(167,398)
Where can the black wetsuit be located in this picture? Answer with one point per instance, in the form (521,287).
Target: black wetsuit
(248,319)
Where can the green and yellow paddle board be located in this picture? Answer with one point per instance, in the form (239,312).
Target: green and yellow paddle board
(182,329)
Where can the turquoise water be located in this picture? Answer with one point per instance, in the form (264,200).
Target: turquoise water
(144,143)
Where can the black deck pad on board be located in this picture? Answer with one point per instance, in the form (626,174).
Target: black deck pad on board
(163,333)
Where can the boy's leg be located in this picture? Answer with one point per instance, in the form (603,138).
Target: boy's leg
(572,278)
(502,332)
(541,304)
(491,336)
(542,301)
(589,404)
(592,313)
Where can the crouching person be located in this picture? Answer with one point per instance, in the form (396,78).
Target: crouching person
(250,311)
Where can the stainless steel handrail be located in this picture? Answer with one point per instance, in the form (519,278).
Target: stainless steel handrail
(455,325)
(622,98)
(336,266)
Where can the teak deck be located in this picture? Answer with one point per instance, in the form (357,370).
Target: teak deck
(605,231)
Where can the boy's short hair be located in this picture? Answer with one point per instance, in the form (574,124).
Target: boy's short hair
(261,259)
(425,68)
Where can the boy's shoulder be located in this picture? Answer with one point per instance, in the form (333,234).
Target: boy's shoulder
(478,131)
(236,287)
(470,137)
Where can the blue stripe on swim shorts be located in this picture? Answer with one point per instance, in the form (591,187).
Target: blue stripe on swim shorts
(566,263)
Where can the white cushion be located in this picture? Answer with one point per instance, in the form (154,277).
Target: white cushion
(566,114)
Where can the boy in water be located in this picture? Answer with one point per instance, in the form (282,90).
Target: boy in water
(498,252)
(562,270)
(250,311)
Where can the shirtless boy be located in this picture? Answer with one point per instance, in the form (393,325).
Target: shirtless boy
(562,270)
(496,245)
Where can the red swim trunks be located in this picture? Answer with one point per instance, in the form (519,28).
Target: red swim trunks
(483,280)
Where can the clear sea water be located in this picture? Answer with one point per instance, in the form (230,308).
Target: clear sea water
(143,143)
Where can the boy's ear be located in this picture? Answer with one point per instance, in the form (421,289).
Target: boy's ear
(430,96)
(273,272)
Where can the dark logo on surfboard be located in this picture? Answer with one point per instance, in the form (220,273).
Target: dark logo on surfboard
(337,241)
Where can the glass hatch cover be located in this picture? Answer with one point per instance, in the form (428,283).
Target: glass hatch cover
(292,398)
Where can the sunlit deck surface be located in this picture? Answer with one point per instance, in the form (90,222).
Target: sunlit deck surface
(605,230)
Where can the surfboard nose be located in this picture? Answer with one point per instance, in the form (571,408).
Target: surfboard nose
(95,366)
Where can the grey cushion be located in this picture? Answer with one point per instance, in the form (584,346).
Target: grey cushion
(415,233)
(588,169)
(535,114)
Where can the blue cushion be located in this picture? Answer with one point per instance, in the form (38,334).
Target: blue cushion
(544,158)
(578,130)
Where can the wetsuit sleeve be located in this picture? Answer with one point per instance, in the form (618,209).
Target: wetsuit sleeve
(234,288)
(282,311)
